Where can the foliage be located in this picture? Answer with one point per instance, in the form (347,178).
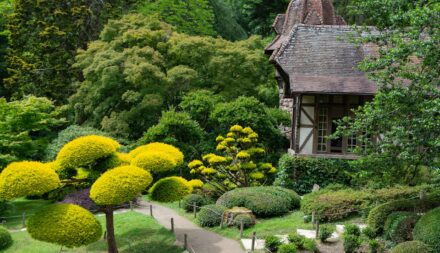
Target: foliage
(26,127)
(404,113)
(351,243)
(199,104)
(310,245)
(170,150)
(325,232)
(119,185)
(246,219)
(369,233)
(287,248)
(170,189)
(194,199)
(238,166)
(296,239)
(20,179)
(375,246)
(6,7)
(411,247)
(265,201)
(272,243)
(427,229)
(154,161)
(80,198)
(401,227)
(352,229)
(195,183)
(300,174)
(211,215)
(64,224)
(225,23)
(5,238)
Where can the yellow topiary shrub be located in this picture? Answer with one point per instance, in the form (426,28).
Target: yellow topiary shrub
(154,161)
(196,183)
(174,152)
(21,179)
(85,150)
(170,189)
(120,185)
(64,224)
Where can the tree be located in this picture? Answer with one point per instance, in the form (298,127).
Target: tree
(225,23)
(26,127)
(404,115)
(5,9)
(199,104)
(73,226)
(238,165)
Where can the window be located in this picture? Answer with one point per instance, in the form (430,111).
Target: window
(322,129)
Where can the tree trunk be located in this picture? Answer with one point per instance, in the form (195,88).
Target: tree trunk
(111,240)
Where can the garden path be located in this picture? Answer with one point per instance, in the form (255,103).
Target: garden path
(199,239)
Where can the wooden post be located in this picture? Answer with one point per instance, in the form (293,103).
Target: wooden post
(23,220)
(313,219)
(254,237)
(151,210)
(195,210)
(172,225)
(222,220)
(105,235)
(185,241)
(180,205)
(131,206)
(317,229)
(241,228)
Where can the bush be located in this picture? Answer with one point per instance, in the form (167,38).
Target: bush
(154,161)
(352,229)
(272,243)
(172,151)
(351,243)
(296,239)
(5,238)
(120,185)
(264,201)
(325,232)
(190,200)
(411,247)
(248,221)
(300,174)
(196,183)
(287,248)
(375,246)
(170,189)
(399,225)
(310,245)
(427,229)
(64,224)
(369,233)
(211,215)
(20,179)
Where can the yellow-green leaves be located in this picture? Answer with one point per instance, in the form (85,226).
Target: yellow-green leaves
(170,150)
(21,179)
(154,161)
(170,189)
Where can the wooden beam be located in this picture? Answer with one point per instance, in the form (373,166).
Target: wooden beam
(306,140)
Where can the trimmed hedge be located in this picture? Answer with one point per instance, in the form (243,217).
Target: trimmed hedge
(170,189)
(301,173)
(399,225)
(5,238)
(427,229)
(411,247)
(211,215)
(264,201)
(190,200)
(154,161)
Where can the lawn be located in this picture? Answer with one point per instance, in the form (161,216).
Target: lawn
(13,214)
(135,233)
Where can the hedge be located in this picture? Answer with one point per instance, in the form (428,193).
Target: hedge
(399,225)
(5,238)
(211,215)
(301,173)
(427,229)
(192,199)
(411,247)
(170,189)
(64,224)
(264,201)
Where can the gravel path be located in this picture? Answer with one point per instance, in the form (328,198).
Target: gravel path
(199,239)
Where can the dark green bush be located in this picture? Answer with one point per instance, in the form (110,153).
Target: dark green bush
(325,232)
(375,246)
(427,229)
(411,247)
(248,221)
(296,239)
(310,245)
(272,243)
(5,238)
(300,174)
(399,226)
(190,200)
(352,229)
(264,201)
(287,248)
(211,215)
(351,243)
(369,233)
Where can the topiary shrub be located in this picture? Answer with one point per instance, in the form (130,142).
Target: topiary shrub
(369,233)
(20,179)
(411,247)
(211,215)
(154,161)
(399,225)
(310,245)
(170,189)
(5,238)
(325,232)
(352,229)
(64,224)
(190,200)
(120,185)
(296,239)
(247,219)
(427,229)
(287,248)
(272,243)
(172,151)
(351,243)
(86,150)
(196,183)
(264,201)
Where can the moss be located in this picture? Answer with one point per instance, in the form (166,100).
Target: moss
(170,189)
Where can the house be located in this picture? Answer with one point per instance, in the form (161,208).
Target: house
(317,73)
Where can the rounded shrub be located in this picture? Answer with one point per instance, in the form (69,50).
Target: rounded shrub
(400,226)
(427,229)
(272,243)
(325,232)
(296,239)
(154,161)
(21,179)
(85,150)
(351,243)
(196,183)
(120,185)
(64,224)
(310,245)
(190,200)
(211,215)
(369,233)
(5,238)
(352,229)
(411,247)
(174,152)
(287,248)
(170,189)
(247,219)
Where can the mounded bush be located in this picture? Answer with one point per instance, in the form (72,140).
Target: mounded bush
(399,225)
(86,150)
(296,239)
(174,152)
(211,215)
(170,189)
(310,245)
(411,247)
(264,201)
(351,243)
(272,243)
(287,248)
(427,229)
(154,161)
(64,224)
(196,183)
(325,232)
(352,229)
(20,179)
(247,219)
(120,185)
(190,200)
(5,238)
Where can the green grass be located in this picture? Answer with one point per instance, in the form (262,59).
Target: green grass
(17,207)
(135,233)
